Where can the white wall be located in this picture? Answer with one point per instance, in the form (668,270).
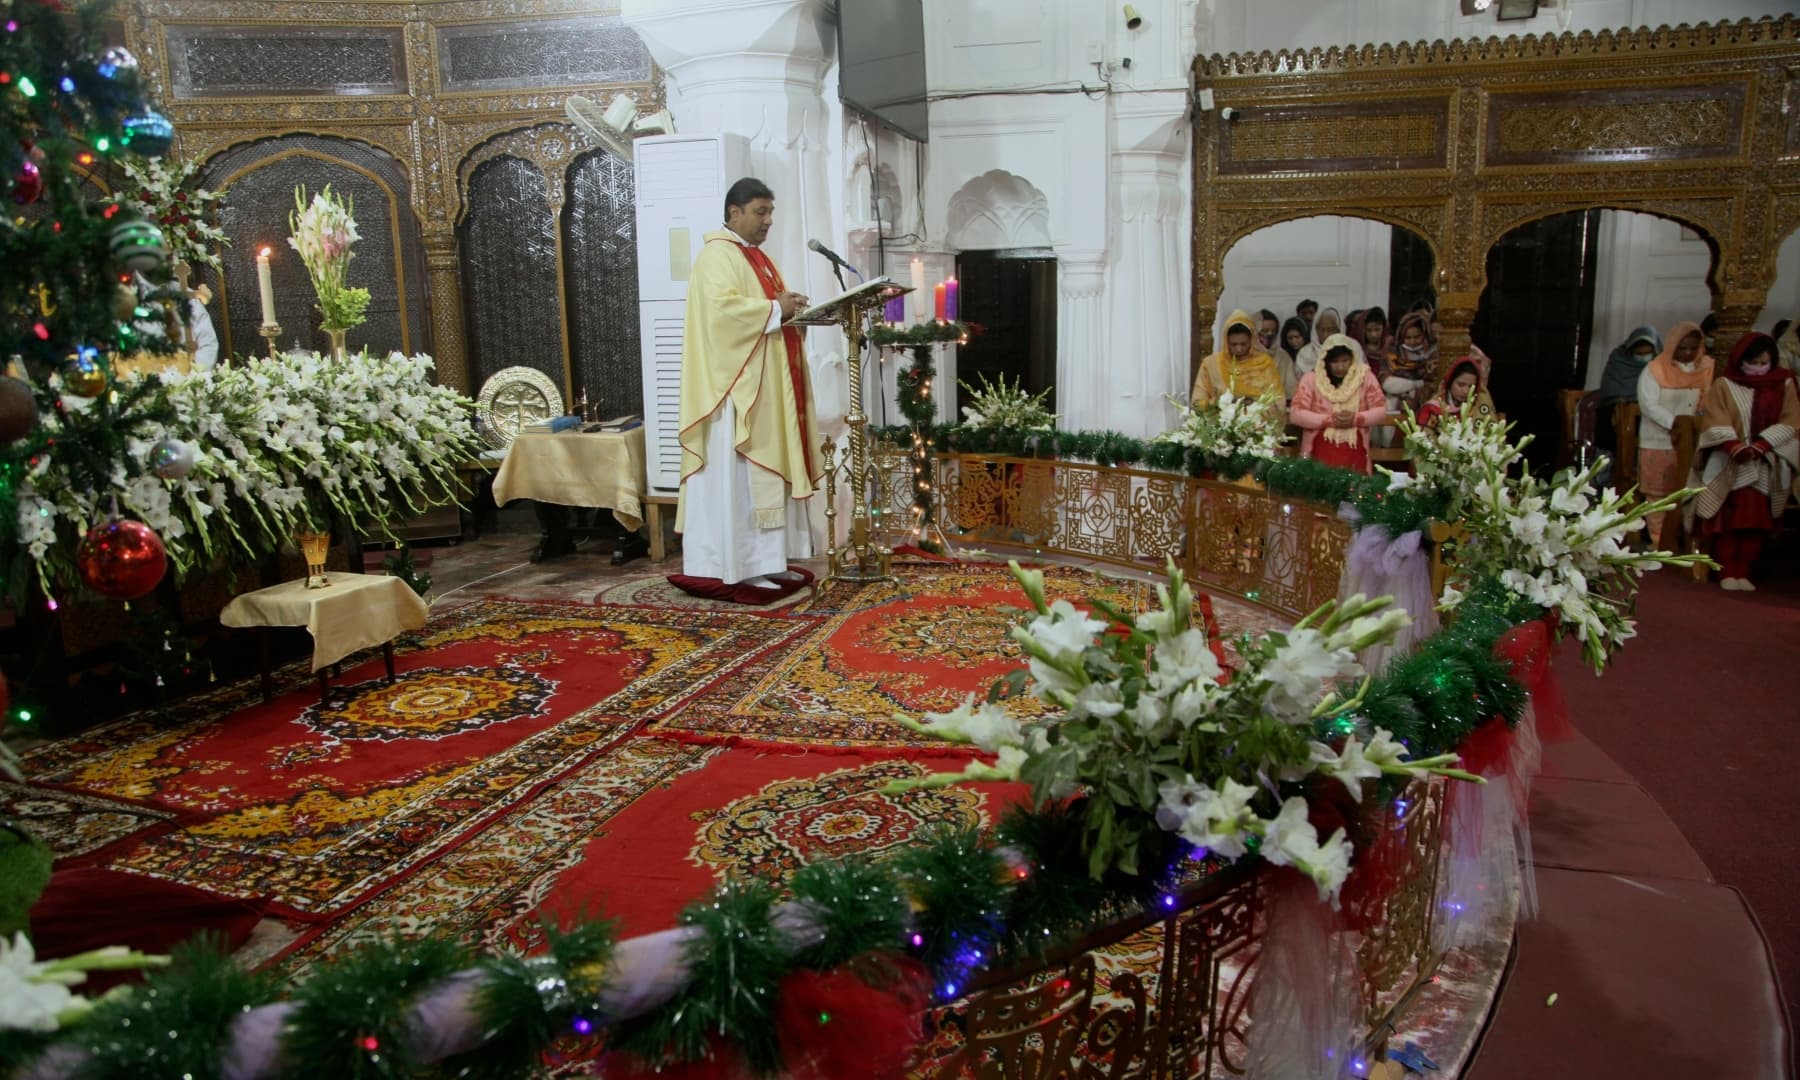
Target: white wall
(1649,271)
(1254,25)
(1341,262)
(1784,295)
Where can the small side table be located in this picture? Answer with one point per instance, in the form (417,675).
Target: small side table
(354,612)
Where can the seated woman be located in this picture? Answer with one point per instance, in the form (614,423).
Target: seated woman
(1462,393)
(1619,382)
(1672,385)
(1748,457)
(1413,362)
(1335,406)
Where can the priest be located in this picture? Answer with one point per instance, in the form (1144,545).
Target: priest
(750,455)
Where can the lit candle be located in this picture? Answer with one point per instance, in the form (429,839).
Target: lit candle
(918,293)
(266,283)
(942,297)
(952,305)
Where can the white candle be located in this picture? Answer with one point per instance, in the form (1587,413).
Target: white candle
(919,296)
(266,283)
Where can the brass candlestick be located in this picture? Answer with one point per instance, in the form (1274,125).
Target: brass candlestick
(270,331)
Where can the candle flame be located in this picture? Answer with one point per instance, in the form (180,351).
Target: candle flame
(265,251)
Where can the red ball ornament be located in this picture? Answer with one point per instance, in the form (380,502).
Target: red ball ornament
(122,559)
(18,409)
(28,182)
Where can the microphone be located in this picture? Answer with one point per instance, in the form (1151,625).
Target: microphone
(833,256)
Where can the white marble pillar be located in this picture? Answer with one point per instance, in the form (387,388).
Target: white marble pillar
(1148,298)
(1083,354)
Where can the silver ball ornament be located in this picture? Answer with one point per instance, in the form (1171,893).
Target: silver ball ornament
(173,459)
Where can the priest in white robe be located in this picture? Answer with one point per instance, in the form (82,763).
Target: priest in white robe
(749,435)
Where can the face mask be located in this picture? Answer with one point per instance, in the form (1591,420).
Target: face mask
(1760,367)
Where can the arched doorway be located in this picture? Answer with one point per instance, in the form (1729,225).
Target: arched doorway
(1562,290)
(510,273)
(259,180)
(999,225)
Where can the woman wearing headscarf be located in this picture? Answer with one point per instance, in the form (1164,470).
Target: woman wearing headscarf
(1413,363)
(1670,387)
(1240,367)
(1325,324)
(1749,457)
(1287,354)
(1626,363)
(1336,405)
(1463,391)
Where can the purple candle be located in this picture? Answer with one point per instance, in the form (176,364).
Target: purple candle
(951,290)
(896,309)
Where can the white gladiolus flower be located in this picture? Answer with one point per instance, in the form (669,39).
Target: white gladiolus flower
(987,725)
(1065,633)
(1348,765)
(1290,840)
(1181,659)
(31,1000)
(1298,671)
(1208,818)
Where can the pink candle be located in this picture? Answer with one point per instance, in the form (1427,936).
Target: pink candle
(941,296)
(952,298)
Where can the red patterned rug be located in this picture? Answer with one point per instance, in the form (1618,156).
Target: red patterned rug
(915,646)
(309,809)
(642,830)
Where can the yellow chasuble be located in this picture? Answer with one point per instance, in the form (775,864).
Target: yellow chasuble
(1253,376)
(726,353)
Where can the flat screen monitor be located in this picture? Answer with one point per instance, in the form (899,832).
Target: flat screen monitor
(881,62)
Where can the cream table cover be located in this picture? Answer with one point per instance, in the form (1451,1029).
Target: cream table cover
(570,468)
(356,611)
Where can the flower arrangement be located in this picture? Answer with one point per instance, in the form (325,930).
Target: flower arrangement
(167,191)
(1231,425)
(278,444)
(1157,741)
(323,232)
(1006,405)
(1557,544)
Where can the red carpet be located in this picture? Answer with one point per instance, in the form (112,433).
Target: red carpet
(919,646)
(309,809)
(1703,711)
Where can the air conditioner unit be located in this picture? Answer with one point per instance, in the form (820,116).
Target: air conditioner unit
(681,184)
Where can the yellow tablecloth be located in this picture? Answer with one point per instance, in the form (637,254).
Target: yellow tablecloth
(569,468)
(356,611)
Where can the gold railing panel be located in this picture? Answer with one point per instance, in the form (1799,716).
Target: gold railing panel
(1234,538)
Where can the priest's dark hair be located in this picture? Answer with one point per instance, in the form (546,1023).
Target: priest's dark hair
(744,192)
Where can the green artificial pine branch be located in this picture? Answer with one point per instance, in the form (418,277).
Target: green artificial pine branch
(526,1003)
(352,1014)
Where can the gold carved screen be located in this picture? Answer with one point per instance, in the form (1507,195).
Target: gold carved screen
(1464,141)
(431,84)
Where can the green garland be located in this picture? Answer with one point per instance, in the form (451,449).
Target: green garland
(1398,510)
(909,335)
(351,1019)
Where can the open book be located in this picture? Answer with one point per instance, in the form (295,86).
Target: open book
(869,292)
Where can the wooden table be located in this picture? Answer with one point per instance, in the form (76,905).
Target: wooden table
(354,612)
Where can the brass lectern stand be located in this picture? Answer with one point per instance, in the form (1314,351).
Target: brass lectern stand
(863,559)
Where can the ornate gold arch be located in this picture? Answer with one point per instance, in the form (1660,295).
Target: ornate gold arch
(428,129)
(1464,141)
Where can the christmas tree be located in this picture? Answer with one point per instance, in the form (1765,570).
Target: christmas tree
(70,107)
(70,267)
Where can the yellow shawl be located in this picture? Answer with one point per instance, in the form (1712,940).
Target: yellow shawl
(1253,376)
(724,352)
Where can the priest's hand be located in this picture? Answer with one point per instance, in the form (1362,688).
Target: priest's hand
(791,304)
